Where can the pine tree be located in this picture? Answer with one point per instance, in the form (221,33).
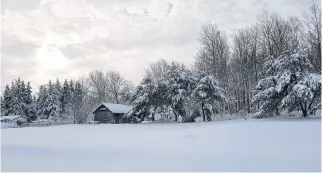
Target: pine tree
(65,97)
(30,110)
(290,86)
(71,86)
(181,84)
(50,106)
(209,95)
(77,101)
(40,103)
(142,100)
(5,103)
(18,106)
(60,94)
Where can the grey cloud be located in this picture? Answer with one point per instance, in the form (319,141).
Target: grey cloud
(20,5)
(13,67)
(71,51)
(12,46)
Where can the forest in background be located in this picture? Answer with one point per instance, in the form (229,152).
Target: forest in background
(270,67)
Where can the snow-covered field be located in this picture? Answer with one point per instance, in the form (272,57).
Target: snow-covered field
(236,145)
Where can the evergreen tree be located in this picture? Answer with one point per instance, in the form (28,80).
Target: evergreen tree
(142,100)
(60,94)
(209,95)
(50,107)
(30,110)
(18,106)
(71,86)
(5,103)
(290,86)
(65,97)
(181,84)
(77,102)
(41,112)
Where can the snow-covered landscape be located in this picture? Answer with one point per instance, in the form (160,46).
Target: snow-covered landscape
(161,85)
(237,145)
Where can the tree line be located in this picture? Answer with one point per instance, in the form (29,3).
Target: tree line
(71,101)
(271,66)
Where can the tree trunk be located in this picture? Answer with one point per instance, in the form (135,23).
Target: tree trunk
(143,117)
(248,103)
(203,112)
(175,116)
(153,118)
(236,101)
(304,111)
(311,103)
(277,113)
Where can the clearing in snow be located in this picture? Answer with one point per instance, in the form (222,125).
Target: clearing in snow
(237,145)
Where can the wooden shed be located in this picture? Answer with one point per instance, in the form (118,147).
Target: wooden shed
(110,113)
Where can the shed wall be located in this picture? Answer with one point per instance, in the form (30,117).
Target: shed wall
(104,116)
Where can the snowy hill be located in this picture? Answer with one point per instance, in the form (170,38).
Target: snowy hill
(236,145)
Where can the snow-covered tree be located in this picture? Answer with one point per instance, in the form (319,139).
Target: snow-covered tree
(180,84)
(50,106)
(142,100)
(40,106)
(65,98)
(290,86)
(30,110)
(18,100)
(5,102)
(209,95)
(17,104)
(60,93)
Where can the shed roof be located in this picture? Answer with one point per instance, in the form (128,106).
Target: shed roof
(116,108)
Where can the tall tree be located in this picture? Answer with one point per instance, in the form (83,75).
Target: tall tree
(65,97)
(181,84)
(277,34)
(50,107)
(312,34)
(291,85)
(5,103)
(119,90)
(209,95)
(99,85)
(214,52)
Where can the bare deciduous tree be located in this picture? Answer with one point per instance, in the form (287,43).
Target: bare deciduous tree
(214,52)
(312,34)
(277,34)
(157,70)
(119,89)
(110,87)
(99,85)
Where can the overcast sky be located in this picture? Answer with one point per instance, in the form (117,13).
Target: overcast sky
(46,39)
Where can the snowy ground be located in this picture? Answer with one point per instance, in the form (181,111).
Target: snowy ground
(236,145)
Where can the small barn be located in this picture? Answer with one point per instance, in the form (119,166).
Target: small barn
(110,113)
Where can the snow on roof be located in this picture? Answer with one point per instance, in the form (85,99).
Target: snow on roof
(11,117)
(118,108)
